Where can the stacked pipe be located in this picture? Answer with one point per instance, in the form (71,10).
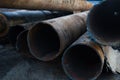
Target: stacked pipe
(15,22)
(103,26)
(48,39)
(80,38)
(103,22)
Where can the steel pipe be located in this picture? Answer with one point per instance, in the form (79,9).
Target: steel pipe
(22,45)
(13,18)
(49,38)
(103,23)
(69,5)
(83,60)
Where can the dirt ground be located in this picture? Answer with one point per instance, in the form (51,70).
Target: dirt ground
(13,66)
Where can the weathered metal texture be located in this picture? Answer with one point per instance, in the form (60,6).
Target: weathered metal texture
(103,23)
(8,19)
(69,5)
(49,38)
(13,33)
(83,60)
(22,45)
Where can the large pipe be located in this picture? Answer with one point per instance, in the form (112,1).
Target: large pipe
(69,5)
(103,22)
(13,18)
(21,44)
(83,60)
(49,38)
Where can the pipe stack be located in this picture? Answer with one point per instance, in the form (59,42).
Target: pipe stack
(103,26)
(48,39)
(19,20)
(78,39)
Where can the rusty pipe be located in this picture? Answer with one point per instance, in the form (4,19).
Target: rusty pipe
(103,22)
(22,45)
(49,38)
(69,5)
(83,60)
(13,18)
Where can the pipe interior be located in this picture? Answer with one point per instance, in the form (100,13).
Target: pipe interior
(44,41)
(14,31)
(104,20)
(82,62)
(21,43)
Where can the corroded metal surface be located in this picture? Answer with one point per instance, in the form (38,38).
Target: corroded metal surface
(69,5)
(83,60)
(48,39)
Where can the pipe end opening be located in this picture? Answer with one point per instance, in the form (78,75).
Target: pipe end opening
(82,62)
(104,20)
(44,41)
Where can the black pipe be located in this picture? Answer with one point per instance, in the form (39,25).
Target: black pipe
(103,22)
(13,18)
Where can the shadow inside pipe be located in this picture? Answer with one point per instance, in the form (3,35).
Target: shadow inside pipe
(13,33)
(104,20)
(22,45)
(44,41)
(82,62)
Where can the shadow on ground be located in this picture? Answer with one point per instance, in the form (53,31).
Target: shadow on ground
(15,67)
